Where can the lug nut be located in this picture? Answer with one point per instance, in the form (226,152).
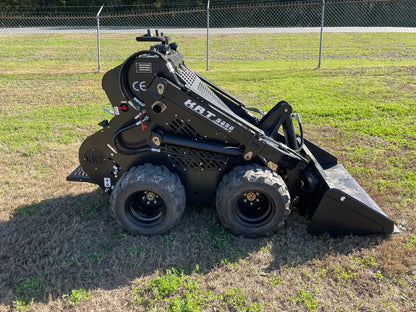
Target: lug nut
(150,196)
(251,196)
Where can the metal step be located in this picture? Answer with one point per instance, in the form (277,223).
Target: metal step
(79,175)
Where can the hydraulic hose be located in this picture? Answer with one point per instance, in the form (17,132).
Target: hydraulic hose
(301,132)
(126,126)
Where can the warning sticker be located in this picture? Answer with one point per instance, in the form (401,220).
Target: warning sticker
(107,182)
(116,111)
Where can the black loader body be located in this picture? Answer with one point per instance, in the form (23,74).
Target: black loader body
(175,134)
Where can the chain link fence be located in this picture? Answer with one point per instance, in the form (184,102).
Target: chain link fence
(356,32)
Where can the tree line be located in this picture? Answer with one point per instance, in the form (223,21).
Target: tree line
(91,6)
(251,13)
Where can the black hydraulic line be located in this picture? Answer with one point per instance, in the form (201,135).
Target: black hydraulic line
(126,126)
(172,140)
(225,150)
(289,133)
(301,138)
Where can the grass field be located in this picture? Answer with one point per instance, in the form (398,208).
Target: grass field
(61,250)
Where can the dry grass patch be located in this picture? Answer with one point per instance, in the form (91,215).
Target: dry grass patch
(61,238)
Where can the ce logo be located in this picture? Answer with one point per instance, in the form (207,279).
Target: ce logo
(139,86)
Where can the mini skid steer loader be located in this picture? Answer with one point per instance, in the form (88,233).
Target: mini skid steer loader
(177,137)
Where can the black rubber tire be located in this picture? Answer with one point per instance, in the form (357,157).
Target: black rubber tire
(148,200)
(253,201)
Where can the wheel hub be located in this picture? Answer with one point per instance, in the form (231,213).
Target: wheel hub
(145,208)
(254,208)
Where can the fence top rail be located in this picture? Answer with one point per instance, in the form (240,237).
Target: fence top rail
(153,13)
(45,17)
(300,4)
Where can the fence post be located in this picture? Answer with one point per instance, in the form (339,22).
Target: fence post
(208,36)
(322,31)
(98,38)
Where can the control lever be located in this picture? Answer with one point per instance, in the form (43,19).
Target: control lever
(149,38)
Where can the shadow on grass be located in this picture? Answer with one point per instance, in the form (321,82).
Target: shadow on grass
(58,245)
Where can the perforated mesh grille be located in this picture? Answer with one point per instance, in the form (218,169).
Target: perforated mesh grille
(196,159)
(186,75)
(180,127)
(192,81)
